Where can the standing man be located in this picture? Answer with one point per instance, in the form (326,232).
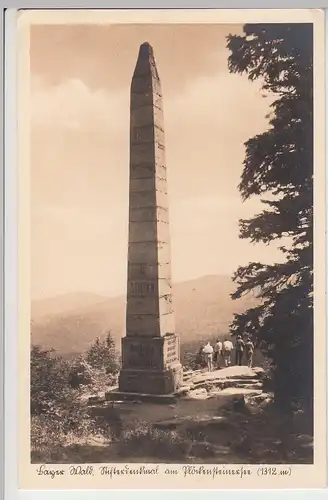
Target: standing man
(218,352)
(240,344)
(227,351)
(249,346)
(208,354)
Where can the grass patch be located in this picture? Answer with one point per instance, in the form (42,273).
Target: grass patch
(144,440)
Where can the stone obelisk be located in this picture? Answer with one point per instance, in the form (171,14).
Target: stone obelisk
(151,349)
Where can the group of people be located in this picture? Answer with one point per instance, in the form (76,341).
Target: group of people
(222,351)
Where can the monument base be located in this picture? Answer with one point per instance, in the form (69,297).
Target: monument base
(140,397)
(150,365)
(159,382)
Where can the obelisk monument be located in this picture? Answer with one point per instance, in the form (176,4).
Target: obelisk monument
(150,349)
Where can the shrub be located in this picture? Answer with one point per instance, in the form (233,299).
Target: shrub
(194,360)
(59,416)
(49,379)
(47,440)
(80,372)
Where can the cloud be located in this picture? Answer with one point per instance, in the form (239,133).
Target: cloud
(224,98)
(80,153)
(72,105)
(104,56)
(206,128)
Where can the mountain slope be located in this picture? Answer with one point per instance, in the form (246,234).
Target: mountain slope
(66,303)
(203,308)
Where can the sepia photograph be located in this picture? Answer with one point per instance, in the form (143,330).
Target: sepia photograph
(171,230)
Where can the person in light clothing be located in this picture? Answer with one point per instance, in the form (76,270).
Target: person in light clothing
(218,352)
(227,351)
(208,354)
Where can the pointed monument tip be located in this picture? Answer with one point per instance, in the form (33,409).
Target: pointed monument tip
(146,49)
(145,44)
(146,61)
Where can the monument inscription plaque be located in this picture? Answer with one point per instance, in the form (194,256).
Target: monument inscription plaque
(150,350)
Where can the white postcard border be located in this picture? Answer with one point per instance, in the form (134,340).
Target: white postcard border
(11,306)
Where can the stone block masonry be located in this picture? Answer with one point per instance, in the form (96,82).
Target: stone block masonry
(151,347)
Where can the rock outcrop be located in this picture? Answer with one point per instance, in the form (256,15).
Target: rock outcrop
(234,380)
(201,384)
(223,416)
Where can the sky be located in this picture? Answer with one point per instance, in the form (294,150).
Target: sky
(80,84)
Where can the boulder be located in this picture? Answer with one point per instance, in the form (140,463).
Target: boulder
(198,394)
(185,389)
(261,400)
(259,371)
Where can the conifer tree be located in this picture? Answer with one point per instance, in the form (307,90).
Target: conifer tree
(102,354)
(278,167)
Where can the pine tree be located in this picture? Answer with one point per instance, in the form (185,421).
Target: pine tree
(96,356)
(113,365)
(279,167)
(102,354)
(110,342)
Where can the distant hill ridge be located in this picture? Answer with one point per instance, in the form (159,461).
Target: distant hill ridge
(70,323)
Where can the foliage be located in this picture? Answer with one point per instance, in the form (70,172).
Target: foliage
(80,372)
(49,379)
(146,441)
(47,440)
(279,166)
(103,355)
(194,360)
(58,413)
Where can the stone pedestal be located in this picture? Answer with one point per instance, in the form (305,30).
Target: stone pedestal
(150,365)
(151,348)
(151,381)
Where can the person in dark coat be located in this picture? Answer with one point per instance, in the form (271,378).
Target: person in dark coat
(240,345)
